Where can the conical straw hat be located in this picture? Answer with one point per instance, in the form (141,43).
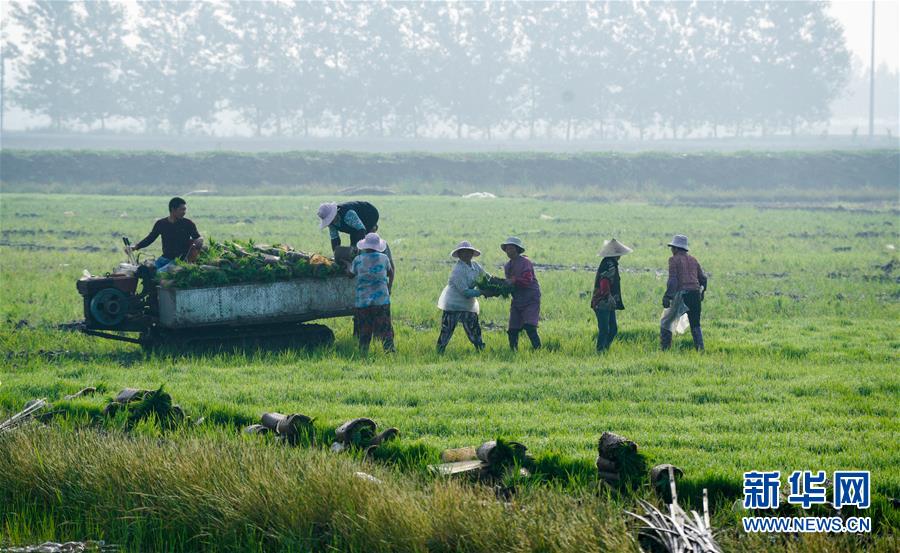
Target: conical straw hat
(614,248)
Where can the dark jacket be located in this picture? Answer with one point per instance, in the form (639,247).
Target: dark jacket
(607,282)
(366,213)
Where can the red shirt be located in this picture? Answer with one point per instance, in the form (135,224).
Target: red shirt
(521,271)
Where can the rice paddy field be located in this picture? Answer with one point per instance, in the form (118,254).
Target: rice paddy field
(800,373)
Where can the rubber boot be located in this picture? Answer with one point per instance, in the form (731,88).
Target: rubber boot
(665,339)
(532,333)
(697,334)
(513,339)
(364,345)
(388,344)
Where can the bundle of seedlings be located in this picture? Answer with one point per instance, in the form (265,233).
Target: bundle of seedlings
(294,429)
(675,531)
(659,480)
(361,434)
(143,404)
(492,286)
(491,461)
(619,464)
(236,262)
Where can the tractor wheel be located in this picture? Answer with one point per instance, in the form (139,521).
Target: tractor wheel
(314,335)
(109,306)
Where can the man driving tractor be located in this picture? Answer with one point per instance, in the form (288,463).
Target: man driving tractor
(180,237)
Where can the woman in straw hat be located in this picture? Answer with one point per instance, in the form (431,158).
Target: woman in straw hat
(458,301)
(354,218)
(374,273)
(525,308)
(684,291)
(607,296)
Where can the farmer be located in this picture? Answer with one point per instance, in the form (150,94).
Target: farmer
(607,296)
(179,235)
(684,292)
(458,298)
(373,272)
(525,309)
(354,218)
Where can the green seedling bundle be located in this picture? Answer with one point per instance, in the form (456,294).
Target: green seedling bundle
(240,262)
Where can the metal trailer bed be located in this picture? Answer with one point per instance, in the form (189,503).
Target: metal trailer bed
(221,313)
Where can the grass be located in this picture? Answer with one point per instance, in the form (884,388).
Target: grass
(799,373)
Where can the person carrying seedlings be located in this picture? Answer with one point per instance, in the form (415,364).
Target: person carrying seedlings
(685,289)
(458,301)
(374,273)
(179,235)
(525,308)
(607,296)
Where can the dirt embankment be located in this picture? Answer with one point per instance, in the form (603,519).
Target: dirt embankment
(769,174)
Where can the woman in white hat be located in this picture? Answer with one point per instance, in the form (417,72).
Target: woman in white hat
(607,296)
(458,301)
(525,308)
(354,218)
(374,273)
(685,288)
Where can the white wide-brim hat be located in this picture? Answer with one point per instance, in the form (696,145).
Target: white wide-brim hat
(679,241)
(614,248)
(327,212)
(515,241)
(372,242)
(464,245)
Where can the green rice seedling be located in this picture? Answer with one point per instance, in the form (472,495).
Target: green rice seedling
(237,262)
(493,286)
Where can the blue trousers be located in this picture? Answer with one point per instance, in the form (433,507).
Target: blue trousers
(606,328)
(162,262)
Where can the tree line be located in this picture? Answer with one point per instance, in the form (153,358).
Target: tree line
(549,70)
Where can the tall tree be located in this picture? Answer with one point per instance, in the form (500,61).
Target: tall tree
(803,63)
(101,62)
(262,60)
(9,52)
(48,81)
(472,64)
(416,87)
(306,95)
(182,57)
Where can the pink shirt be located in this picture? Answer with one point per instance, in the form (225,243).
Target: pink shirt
(521,271)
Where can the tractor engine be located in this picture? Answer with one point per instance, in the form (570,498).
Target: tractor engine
(112,302)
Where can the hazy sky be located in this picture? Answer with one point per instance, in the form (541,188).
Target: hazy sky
(856,17)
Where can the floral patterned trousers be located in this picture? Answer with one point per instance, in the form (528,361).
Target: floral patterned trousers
(470,324)
(375,321)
